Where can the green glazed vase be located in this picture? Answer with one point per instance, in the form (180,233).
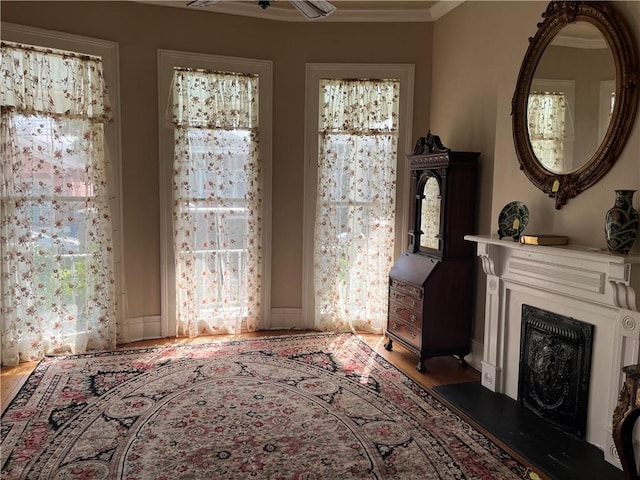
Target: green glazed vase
(621,223)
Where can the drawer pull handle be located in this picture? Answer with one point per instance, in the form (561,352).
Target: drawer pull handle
(394,325)
(413,291)
(399,296)
(396,309)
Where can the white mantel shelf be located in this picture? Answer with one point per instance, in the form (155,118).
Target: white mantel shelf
(588,284)
(571,250)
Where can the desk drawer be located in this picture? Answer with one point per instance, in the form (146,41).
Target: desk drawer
(406,288)
(405,299)
(408,333)
(409,315)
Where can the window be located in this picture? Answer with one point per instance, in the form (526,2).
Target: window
(60,272)
(351,220)
(547,128)
(550,121)
(216,178)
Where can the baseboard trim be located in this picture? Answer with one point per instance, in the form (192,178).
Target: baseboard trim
(150,327)
(475,357)
(144,328)
(285,318)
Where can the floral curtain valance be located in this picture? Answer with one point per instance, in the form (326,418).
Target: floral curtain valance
(367,106)
(38,81)
(215,100)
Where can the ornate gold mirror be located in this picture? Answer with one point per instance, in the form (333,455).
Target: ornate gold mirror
(576,97)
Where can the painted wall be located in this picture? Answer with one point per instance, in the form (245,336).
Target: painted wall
(478,50)
(142,29)
(467,64)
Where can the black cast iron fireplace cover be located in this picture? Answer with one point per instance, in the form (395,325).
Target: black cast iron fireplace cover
(555,364)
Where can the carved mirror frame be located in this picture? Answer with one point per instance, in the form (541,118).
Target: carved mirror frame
(563,186)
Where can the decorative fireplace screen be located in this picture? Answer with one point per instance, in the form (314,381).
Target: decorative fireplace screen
(555,363)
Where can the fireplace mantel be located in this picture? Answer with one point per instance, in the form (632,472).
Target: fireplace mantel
(587,284)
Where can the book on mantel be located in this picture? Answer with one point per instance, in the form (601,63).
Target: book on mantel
(544,239)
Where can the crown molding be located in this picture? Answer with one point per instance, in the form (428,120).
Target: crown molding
(575,42)
(443,7)
(342,14)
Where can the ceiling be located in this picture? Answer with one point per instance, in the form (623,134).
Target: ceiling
(347,10)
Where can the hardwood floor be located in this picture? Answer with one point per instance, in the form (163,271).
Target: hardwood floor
(439,370)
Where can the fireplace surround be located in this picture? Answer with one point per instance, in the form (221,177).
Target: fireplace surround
(595,286)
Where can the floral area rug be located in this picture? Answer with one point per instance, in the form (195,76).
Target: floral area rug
(307,407)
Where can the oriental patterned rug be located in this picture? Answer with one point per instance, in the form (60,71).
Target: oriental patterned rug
(307,407)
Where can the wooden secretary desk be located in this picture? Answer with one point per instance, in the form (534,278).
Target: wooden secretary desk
(431,284)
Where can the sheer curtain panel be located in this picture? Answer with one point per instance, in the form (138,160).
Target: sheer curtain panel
(217,202)
(547,128)
(57,293)
(355,206)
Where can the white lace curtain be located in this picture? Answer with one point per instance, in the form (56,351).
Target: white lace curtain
(546,113)
(58,292)
(217,193)
(355,207)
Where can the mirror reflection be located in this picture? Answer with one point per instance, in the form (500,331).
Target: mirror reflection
(571,98)
(430,214)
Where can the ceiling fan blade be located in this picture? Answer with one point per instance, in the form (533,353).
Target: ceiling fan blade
(202,3)
(314,9)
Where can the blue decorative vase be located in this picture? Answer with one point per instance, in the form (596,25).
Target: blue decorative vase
(621,223)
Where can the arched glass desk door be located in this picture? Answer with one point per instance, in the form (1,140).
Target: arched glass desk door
(430,204)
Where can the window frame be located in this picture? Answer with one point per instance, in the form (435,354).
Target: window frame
(314,73)
(108,51)
(167,60)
